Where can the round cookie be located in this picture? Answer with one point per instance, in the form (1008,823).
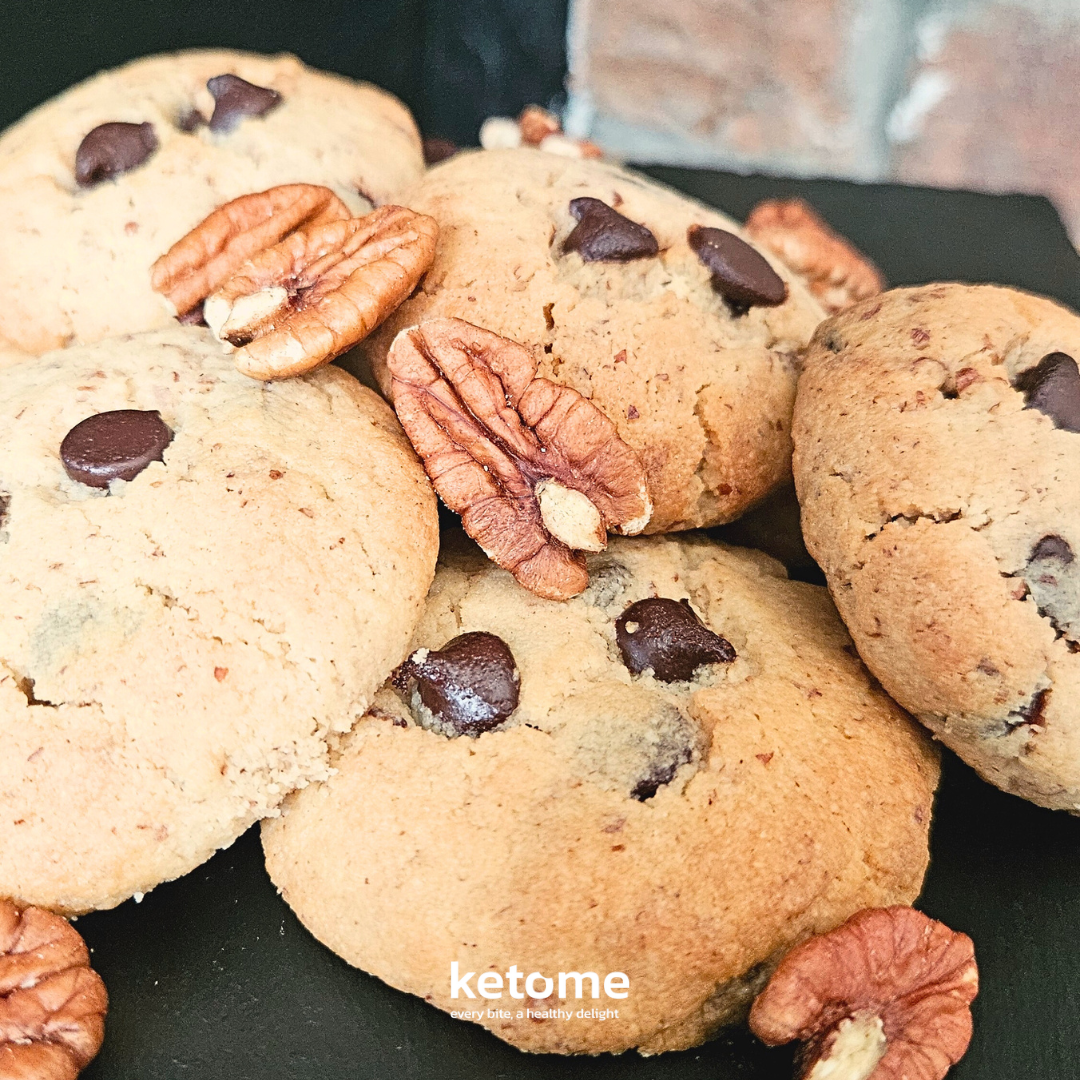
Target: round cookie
(702,393)
(937,461)
(681,834)
(85,252)
(175,649)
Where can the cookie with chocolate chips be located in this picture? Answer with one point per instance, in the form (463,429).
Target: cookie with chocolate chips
(654,307)
(202,578)
(937,459)
(98,183)
(674,776)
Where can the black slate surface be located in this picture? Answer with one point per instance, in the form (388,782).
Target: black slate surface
(212,977)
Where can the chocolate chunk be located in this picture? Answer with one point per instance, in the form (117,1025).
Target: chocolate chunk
(1053,387)
(604,235)
(114,446)
(667,636)
(1032,715)
(436,150)
(235,98)
(1052,547)
(741,275)
(112,149)
(467,687)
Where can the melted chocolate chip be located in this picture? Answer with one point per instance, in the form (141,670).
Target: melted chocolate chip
(667,761)
(436,150)
(114,446)
(667,636)
(604,235)
(191,121)
(1052,547)
(112,149)
(741,275)
(1053,387)
(469,686)
(235,98)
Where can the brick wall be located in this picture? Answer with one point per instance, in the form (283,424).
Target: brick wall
(981,94)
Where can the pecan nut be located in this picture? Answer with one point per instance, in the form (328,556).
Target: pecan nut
(324,287)
(536,471)
(885,996)
(213,251)
(838,274)
(52,1004)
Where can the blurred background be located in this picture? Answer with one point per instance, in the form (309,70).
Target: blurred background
(977,94)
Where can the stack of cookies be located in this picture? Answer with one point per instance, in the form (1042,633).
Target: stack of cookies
(569,755)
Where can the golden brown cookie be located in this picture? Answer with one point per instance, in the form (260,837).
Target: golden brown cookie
(201,578)
(623,306)
(96,184)
(937,459)
(529,795)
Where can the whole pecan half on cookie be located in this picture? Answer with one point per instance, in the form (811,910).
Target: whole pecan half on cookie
(211,253)
(320,290)
(886,996)
(52,1004)
(536,471)
(838,274)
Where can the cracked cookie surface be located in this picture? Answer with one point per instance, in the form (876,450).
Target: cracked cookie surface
(943,503)
(176,649)
(82,272)
(681,832)
(702,393)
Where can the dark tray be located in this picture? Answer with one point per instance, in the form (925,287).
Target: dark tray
(212,977)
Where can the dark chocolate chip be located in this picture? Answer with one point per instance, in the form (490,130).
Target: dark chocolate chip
(193,316)
(436,150)
(741,275)
(469,686)
(235,98)
(114,446)
(190,121)
(1053,387)
(667,636)
(5,502)
(604,235)
(112,149)
(1052,547)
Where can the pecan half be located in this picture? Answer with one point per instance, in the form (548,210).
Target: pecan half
(212,252)
(838,274)
(885,996)
(536,471)
(52,1004)
(324,287)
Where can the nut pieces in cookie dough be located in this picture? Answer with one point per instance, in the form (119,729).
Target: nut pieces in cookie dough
(290,279)
(886,996)
(52,1003)
(536,471)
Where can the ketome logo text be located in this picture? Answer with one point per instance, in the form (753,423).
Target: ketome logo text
(491,984)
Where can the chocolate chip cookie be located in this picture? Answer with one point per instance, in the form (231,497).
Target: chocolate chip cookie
(201,578)
(98,183)
(937,460)
(648,303)
(658,787)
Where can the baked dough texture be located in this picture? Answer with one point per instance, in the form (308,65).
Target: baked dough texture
(704,395)
(77,260)
(805,795)
(176,649)
(937,505)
